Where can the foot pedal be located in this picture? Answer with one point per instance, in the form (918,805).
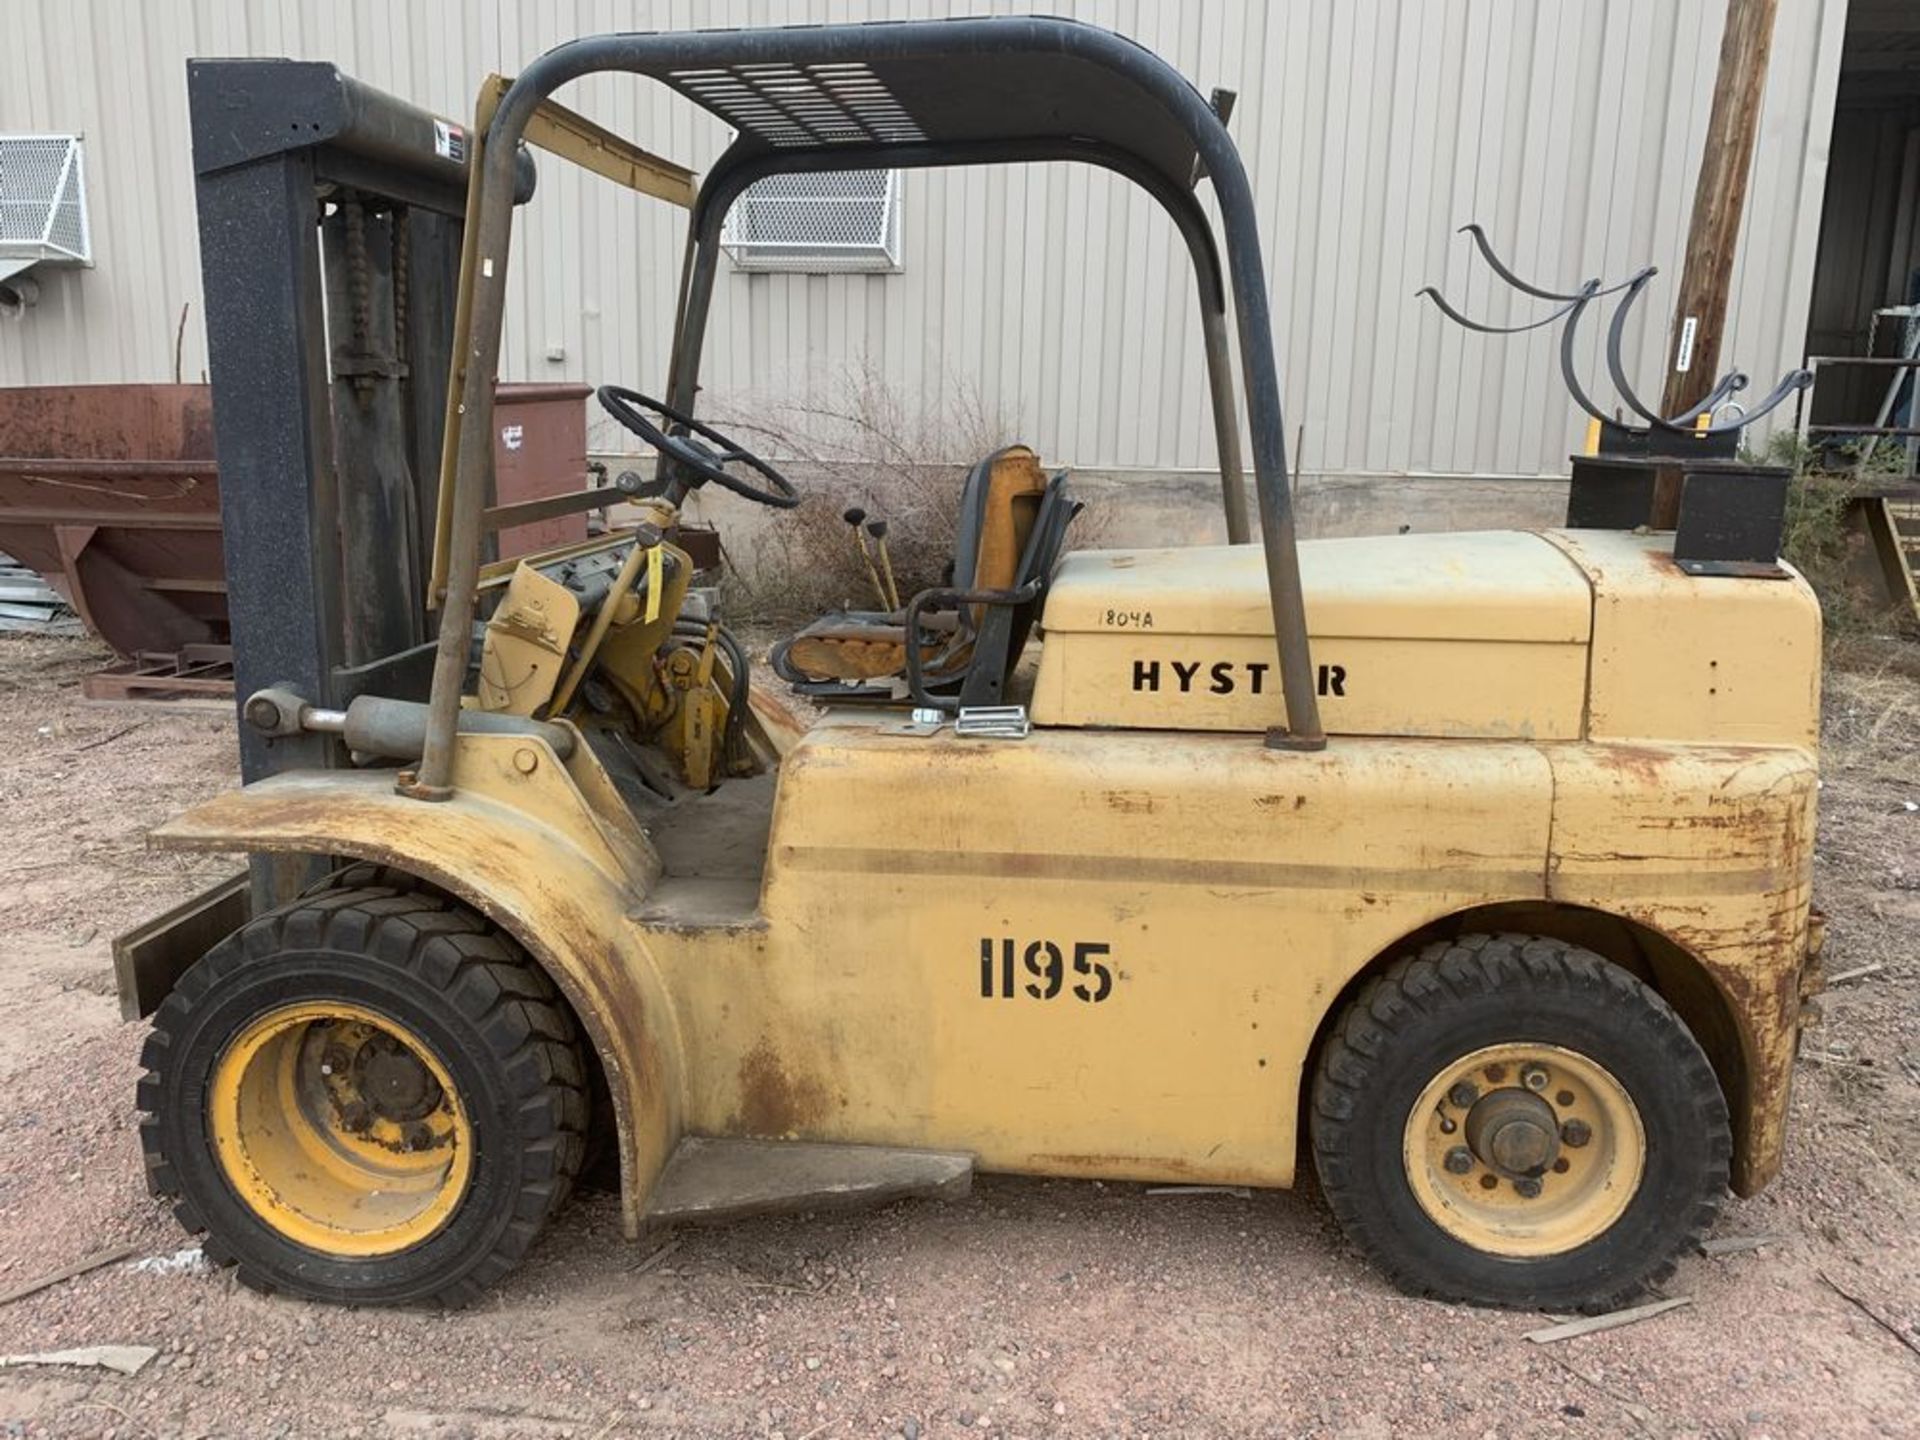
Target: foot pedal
(725,1179)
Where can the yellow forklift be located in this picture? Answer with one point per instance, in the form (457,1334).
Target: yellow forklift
(1473,869)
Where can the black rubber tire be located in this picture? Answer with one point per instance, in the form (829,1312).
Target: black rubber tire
(600,1164)
(491,1016)
(362,875)
(1456,996)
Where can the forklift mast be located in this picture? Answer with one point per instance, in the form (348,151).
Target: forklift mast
(330,232)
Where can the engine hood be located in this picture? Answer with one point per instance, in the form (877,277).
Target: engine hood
(1504,585)
(1552,636)
(1421,635)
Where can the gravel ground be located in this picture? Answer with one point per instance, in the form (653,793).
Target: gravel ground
(1034,1308)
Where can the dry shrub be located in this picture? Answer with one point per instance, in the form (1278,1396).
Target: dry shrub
(860,446)
(1817,539)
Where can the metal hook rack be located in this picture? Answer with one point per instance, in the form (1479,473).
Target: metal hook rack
(1571,306)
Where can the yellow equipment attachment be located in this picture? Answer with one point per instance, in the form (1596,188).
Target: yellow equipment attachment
(662,680)
(526,644)
(1497,909)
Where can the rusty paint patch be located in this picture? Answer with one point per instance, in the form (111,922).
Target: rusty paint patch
(773,1100)
(1757,967)
(1663,561)
(1646,764)
(1276,802)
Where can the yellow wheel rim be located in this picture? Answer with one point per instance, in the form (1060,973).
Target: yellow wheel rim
(1524,1150)
(340,1129)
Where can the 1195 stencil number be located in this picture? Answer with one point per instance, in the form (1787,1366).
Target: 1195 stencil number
(1044,970)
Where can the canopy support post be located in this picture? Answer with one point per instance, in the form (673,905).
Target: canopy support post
(1226,420)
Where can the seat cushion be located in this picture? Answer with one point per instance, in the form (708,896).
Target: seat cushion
(839,647)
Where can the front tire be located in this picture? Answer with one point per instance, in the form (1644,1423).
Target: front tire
(370,1096)
(1513,1120)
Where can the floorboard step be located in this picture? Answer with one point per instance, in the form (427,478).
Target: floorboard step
(725,1179)
(681,903)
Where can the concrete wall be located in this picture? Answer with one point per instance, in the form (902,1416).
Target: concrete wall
(1145,508)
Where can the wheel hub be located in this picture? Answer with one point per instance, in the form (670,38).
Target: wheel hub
(1515,1132)
(1524,1149)
(340,1129)
(397,1086)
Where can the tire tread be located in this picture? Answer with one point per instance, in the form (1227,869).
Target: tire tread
(510,1002)
(1422,986)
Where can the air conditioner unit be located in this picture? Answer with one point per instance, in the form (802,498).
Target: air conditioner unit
(43,203)
(821,222)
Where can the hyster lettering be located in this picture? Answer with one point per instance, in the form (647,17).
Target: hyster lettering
(1223,677)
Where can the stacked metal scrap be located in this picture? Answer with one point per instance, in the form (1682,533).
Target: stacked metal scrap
(28,603)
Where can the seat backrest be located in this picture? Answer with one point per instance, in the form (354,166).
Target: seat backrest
(1004,629)
(998,505)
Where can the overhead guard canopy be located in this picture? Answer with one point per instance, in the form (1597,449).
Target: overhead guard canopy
(961,98)
(1004,88)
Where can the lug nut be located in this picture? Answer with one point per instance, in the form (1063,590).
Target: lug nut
(1463,1094)
(419,1137)
(1527,1188)
(1534,1077)
(1576,1133)
(355,1116)
(1459,1160)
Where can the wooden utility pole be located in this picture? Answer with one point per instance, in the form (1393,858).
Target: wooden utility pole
(1719,198)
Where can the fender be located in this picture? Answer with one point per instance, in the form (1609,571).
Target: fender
(1709,849)
(545,850)
(1692,866)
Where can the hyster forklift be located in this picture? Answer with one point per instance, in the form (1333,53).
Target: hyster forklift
(1471,869)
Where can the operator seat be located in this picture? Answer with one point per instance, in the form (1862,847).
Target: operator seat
(1013,522)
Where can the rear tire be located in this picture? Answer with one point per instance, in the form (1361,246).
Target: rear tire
(1623,1167)
(370,1096)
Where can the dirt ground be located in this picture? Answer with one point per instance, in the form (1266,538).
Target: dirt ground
(1032,1309)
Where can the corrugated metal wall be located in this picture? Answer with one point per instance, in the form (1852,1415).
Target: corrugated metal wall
(1059,295)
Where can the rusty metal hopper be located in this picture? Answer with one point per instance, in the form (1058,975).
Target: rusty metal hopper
(110,492)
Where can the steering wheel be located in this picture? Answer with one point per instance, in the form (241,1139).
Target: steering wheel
(702,450)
